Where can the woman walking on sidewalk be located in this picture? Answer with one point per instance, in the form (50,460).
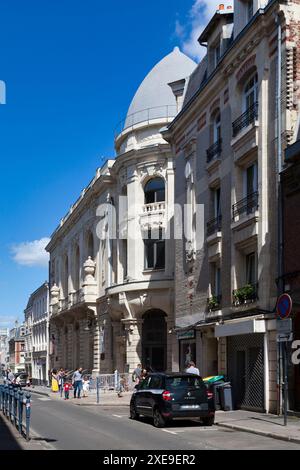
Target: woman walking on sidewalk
(54,381)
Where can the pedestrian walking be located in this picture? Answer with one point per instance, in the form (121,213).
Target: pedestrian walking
(61,378)
(192,369)
(137,374)
(54,381)
(67,387)
(77,382)
(85,386)
(10,377)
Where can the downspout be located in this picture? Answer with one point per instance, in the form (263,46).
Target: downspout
(279,199)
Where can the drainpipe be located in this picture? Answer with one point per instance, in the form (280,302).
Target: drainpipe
(279,200)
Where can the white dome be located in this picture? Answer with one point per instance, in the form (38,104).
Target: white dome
(154,93)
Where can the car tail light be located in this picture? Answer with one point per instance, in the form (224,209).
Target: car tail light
(210,395)
(166,395)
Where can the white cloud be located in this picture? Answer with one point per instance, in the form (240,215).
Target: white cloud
(197,18)
(31,253)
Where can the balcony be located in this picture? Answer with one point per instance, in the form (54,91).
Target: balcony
(214,151)
(246,119)
(153,215)
(214,226)
(246,206)
(245,295)
(214,306)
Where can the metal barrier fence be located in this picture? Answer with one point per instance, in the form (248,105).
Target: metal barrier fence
(110,383)
(16,406)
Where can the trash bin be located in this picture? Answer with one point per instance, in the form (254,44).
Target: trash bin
(225,391)
(213,384)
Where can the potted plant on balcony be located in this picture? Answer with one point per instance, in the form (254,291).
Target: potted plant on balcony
(244,294)
(212,303)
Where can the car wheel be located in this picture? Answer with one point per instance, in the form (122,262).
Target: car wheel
(133,414)
(209,421)
(158,420)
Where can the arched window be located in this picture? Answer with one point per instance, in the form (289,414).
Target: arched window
(155,191)
(217,127)
(251,92)
(90,245)
(66,277)
(77,269)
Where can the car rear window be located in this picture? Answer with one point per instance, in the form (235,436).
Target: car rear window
(175,383)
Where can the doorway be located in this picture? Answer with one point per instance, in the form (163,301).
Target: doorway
(154,340)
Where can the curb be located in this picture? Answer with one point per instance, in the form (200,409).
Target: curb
(258,432)
(44,394)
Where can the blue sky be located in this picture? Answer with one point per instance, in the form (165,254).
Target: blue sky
(71,69)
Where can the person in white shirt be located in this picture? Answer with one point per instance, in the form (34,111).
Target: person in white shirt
(192,369)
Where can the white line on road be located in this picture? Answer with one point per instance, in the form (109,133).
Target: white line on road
(170,432)
(118,416)
(44,399)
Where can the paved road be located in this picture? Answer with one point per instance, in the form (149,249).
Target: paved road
(64,426)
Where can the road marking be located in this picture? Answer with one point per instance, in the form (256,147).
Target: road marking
(170,432)
(44,399)
(118,416)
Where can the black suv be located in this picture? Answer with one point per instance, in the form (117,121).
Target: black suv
(168,396)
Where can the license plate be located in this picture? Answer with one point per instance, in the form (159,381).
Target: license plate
(190,407)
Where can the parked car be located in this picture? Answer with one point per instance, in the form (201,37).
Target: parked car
(22,379)
(165,397)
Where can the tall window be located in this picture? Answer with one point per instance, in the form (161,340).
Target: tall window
(251,92)
(217,128)
(251,277)
(155,191)
(91,245)
(216,280)
(217,202)
(250,180)
(155,252)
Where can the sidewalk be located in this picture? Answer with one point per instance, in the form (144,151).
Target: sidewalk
(109,398)
(10,438)
(260,424)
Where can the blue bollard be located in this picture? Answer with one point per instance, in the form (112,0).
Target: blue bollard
(21,403)
(98,389)
(28,410)
(15,407)
(10,401)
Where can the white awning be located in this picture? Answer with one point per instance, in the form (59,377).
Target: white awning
(240,327)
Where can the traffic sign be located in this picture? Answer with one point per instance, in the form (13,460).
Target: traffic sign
(284,306)
(285,326)
(283,337)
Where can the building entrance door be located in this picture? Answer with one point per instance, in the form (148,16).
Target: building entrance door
(154,341)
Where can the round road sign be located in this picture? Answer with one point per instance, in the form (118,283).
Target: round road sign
(284,306)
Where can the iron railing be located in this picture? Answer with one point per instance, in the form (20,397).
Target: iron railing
(247,118)
(214,226)
(248,205)
(165,112)
(214,151)
(16,407)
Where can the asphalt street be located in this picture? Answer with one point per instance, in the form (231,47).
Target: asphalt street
(64,426)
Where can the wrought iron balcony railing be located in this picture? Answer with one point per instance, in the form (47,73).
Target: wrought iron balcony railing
(214,226)
(247,118)
(214,151)
(248,205)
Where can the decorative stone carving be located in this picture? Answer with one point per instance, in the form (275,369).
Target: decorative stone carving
(55,291)
(89,268)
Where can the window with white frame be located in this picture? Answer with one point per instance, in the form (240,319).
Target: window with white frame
(251,269)
(155,251)
(251,92)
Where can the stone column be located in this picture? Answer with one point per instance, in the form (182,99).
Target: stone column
(133,329)
(172,357)
(96,365)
